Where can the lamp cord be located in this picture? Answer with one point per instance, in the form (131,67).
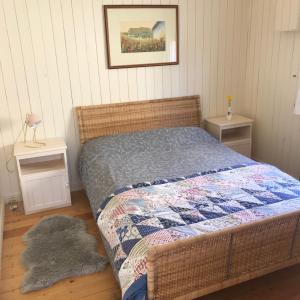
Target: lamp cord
(11,155)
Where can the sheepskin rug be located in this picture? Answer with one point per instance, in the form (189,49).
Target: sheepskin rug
(58,247)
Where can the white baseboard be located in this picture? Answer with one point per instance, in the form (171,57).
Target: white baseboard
(1,229)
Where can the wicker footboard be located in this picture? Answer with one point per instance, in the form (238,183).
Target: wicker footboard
(194,267)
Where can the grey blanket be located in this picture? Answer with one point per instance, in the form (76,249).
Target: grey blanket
(109,163)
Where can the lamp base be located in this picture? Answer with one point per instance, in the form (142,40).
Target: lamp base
(34,144)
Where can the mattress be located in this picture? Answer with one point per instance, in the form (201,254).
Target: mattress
(107,164)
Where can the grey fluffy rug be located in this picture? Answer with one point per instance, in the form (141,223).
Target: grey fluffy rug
(58,247)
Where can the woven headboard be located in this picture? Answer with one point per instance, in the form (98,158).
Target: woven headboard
(110,119)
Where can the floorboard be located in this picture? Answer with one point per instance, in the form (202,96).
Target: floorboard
(280,285)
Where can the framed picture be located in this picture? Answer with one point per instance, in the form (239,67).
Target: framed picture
(141,35)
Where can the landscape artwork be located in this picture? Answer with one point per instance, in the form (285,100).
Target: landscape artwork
(143,36)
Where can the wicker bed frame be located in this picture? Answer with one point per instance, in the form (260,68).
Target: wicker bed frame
(191,268)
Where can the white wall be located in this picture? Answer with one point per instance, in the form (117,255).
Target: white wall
(270,90)
(52,58)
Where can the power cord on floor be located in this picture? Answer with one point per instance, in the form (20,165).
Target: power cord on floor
(13,205)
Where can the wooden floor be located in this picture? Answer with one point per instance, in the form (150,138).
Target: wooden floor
(281,285)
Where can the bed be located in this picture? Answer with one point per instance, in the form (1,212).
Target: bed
(181,215)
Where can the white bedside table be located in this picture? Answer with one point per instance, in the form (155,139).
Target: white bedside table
(43,174)
(236,133)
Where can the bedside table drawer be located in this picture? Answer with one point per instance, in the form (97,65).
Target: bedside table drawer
(48,192)
(242,148)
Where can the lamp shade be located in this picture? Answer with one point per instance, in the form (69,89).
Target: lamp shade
(297,104)
(32,120)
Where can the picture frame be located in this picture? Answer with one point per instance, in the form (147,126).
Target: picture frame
(141,35)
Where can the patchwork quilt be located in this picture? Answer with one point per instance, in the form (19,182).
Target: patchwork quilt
(137,217)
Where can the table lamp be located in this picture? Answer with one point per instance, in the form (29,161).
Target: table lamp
(32,121)
(229,108)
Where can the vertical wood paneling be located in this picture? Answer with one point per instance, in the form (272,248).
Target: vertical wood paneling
(59,36)
(158,82)
(191,49)
(71,46)
(294,142)
(29,60)
(150,83)
(52,66)
(78,25)
(13,67)
(215,19)
(8,179)
(100,48)
(199,48)
(229,49)
(240,65)
(207,52)
(220,80)
(53,58)
(41,67)
(183,48)
(87,7)
(272,60)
